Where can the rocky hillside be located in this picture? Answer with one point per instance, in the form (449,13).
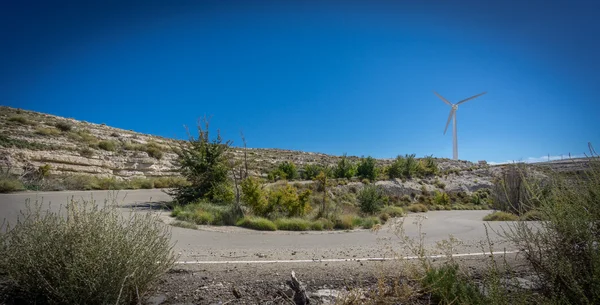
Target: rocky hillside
(70,146)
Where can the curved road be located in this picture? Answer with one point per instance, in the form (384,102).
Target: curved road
(238,244)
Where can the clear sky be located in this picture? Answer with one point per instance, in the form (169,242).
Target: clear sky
(334,77)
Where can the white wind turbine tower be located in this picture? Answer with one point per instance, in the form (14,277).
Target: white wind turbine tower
(453,116)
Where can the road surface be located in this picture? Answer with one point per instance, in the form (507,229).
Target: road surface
(234,244)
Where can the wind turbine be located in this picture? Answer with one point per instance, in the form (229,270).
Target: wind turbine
(453,115)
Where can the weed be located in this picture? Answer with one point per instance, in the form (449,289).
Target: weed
(10,184)
(184,224)
(393,211)
(47,131)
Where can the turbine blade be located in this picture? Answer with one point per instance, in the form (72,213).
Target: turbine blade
(443,99)
(449,119)
(472,97)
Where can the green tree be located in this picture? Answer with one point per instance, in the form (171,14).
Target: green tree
(371,199)
(203,162)
(345,168)
(367,168)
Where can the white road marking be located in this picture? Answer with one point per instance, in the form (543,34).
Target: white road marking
(333,260)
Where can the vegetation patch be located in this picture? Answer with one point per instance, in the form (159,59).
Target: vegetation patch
(107,145)
(417,208)
(10,184)
(501,216)
(47,131)
(19,119)
(257,223)
(93,256)
(293,224)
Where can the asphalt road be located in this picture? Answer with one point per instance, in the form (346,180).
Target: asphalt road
(238,244)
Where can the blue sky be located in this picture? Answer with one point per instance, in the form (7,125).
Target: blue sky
(333,76)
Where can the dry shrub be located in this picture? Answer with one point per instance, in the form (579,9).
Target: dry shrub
(94,255)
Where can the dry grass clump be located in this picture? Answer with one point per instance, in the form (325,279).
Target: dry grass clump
(91,255)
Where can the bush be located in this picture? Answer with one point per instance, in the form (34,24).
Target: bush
(285,201)
(254,196)
(20,120)
(154,151)
(311,171)
(184,224)
(448,287)
(170,182)
(500,216)
(367,169)
(257,223)
(93,256)
(203,162)
(371,199)
(325,223)
(293,224)
(141,183)
(393,211)
(345,168)
(441,198)
(369,222)
(47,131)
(417,207)
(346,222)
(202,212)
(86,152)
(63,126)
(8,184)
(287,170)
(564,249)
(107,145)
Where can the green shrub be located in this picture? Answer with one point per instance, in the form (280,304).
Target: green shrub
(441,198)
(47,131)
(311,171)
(141,183)
(20,120)
(325,223)
(417,207)
(254,196)
(257,223)
(170,182)
(202,217)
(93,256)
(202,212)
(288,170)
(369,222)
(345,168)
(439,184)
(204,163)
(154,150)
(500,216)
(107,145)
(63,126)
(393,211)
(371,199)
(345,222)
(8,184)
(286,201)
(184,224)
(564,248)
(384,217)
(448,287)
(367,169)
(293,224)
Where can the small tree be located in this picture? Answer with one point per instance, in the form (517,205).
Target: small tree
(345,168)
(203,162)
(367,168)
(371,199)
(322,183)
